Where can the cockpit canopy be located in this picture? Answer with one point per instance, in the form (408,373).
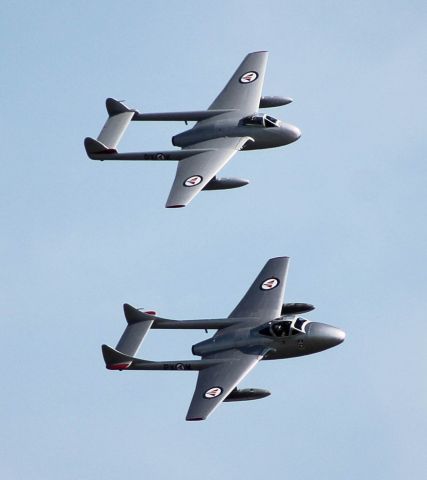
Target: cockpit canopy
(284,328)
(260,121)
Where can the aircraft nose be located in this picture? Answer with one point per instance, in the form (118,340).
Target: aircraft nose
(326,336)
(292,133)
(296,132)
(338,335)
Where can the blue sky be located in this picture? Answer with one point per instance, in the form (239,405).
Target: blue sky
(347,203)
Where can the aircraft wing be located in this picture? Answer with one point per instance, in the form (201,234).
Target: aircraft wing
(215,383)
(265,296)
(195,172)
(243,91)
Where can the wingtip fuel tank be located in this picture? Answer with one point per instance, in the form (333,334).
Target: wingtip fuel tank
(225,183)
(276,101)
(245,394)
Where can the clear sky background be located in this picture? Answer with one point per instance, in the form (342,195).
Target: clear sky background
(347,203)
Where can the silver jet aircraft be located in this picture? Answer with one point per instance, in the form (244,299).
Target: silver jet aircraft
(261,327)
(230,124)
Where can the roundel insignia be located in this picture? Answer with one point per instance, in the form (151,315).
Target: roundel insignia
(193,181)
(160,156)
(248,77)
(213,392)
(269,284)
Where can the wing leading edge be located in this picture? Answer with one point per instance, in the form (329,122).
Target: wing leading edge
(215,383)
(265,296)
(195,172)
(244,89)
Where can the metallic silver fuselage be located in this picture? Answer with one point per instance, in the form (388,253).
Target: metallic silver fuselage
(264,137)
(318,337)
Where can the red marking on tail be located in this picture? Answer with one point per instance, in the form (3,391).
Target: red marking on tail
(119,366)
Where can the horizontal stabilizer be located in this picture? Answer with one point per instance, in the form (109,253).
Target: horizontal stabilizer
(119,117)
(114,128)
(138,326)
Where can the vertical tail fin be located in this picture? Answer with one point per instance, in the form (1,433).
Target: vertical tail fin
(115,360)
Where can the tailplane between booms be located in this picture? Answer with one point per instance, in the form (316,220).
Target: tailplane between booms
(139,323)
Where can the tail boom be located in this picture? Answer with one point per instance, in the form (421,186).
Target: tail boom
(96,150)
(165,323)
(116,360)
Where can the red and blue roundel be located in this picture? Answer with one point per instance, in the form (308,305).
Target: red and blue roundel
(248,77)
